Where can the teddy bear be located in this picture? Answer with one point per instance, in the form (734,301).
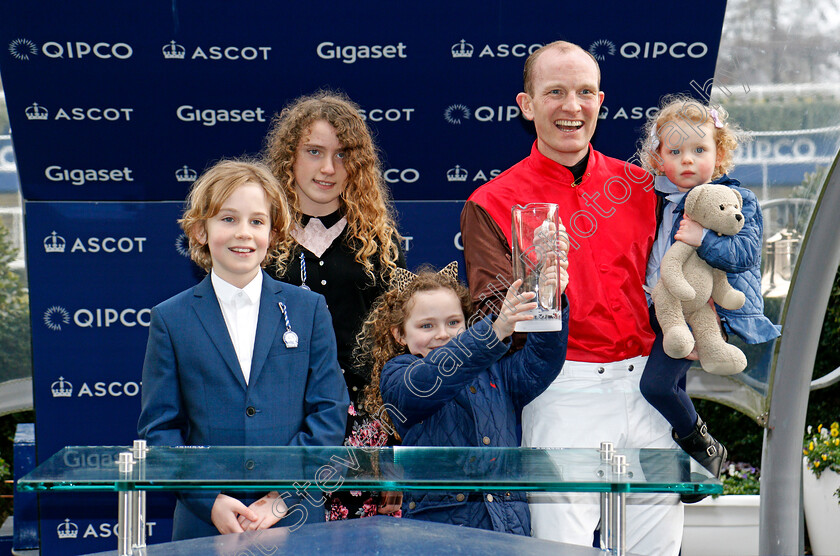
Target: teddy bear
(681,297)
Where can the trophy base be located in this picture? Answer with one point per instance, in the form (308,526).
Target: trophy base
(539,325)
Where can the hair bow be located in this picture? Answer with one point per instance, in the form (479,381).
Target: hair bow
(403,278)
(716,118)
(654,138)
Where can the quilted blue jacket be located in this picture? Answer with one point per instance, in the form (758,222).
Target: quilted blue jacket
(469,393)
(740,257)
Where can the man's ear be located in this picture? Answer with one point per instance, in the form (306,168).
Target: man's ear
(395,332)
(525,105)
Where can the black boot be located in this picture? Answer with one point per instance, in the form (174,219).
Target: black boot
(707,451)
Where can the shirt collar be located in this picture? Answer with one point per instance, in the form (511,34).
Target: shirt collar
(554,170)
(328,220)
(667,188)
(226,292)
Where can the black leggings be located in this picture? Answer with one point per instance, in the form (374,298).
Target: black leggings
(663,385)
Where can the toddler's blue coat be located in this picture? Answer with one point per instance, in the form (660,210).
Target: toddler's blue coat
(740,257)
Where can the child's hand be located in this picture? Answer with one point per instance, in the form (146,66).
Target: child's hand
(269,510)
(690,232)
(389,502)
(513,309)
(225,512)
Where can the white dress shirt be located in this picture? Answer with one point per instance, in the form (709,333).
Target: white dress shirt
(241,310)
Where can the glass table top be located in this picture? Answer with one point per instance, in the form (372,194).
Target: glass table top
(95,468)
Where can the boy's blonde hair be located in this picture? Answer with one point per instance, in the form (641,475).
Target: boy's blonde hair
(365,201)
(376,344)
(212,189)
(687,115)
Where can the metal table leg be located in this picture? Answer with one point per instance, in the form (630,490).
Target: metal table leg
(607,452)
(618,509)
(126,522)
(138,510)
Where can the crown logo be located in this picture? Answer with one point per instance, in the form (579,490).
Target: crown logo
(67,530)
(456,174)
(186,174)
(173,51)
(462,49)
(37,112)
(62,389)
(602,115)
(54,243)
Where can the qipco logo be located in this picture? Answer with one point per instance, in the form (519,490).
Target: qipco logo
(57,317)
(79,50)
(107,317)
(661,49)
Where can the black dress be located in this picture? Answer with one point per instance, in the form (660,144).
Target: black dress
(350,293)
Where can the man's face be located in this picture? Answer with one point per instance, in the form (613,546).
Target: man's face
(565,104)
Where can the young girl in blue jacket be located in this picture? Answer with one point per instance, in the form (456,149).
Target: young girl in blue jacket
(412,337)
(688,144)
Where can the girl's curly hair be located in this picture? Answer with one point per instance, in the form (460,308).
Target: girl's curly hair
(365,201)
(376,344)
(688,113)
(211,190)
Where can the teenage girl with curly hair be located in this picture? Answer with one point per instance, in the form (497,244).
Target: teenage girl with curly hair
(344,242)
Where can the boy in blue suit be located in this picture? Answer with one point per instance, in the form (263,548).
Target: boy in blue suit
(240,359)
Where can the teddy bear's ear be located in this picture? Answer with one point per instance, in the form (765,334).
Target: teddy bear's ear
(740,199)
(694,197)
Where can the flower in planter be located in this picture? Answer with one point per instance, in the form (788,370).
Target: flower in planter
(822,449)
(740,478)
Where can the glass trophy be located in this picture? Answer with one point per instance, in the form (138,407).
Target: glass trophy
(536,243)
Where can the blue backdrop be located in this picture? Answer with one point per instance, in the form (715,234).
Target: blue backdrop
(117,107)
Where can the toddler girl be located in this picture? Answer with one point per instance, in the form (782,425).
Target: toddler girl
(687,144)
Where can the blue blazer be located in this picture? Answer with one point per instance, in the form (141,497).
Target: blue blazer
(194,392)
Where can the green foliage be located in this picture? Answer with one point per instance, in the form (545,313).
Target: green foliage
(8,425)
(15,335)
(741,478)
